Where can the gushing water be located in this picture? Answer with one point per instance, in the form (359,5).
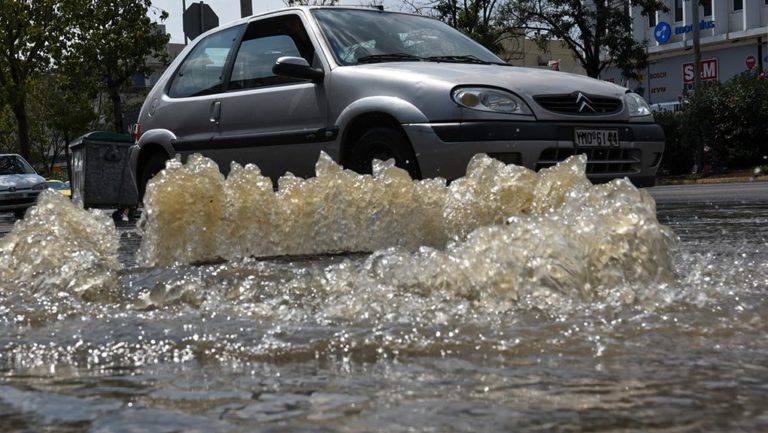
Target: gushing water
(60,247)
(507,300)
(501,228)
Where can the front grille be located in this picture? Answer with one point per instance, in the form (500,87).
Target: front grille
(619,162)
(579,104)
(25,200)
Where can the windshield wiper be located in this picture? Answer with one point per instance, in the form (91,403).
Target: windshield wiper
(462,59)
(392,57)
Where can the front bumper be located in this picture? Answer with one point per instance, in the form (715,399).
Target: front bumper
(17,201)
(445,149)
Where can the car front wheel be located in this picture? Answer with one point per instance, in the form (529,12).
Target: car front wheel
(382,143)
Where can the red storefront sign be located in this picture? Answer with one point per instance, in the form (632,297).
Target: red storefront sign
(708,71)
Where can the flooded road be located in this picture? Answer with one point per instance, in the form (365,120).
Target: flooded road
(580,313)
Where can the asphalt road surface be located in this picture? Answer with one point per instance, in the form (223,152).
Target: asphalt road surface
(752,192)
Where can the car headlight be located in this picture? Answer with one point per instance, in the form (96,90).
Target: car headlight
(637,105)
(40,186)
(493,100)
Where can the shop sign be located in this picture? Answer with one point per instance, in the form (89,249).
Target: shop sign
(662,32)
(703,25)
(708,71)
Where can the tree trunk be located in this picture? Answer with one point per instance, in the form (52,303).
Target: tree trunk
(592,69)
(117,109)
(22,121)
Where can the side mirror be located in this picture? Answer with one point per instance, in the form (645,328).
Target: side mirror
(297,67)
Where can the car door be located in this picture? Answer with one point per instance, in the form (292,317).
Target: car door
(276,122)
(190,108)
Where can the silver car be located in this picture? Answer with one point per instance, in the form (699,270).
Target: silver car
(277,88)
(19,184)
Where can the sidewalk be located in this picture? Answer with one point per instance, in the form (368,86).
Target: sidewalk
(736,176)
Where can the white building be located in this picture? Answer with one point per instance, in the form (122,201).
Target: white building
(734,37)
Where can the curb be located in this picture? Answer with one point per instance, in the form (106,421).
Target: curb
(710,180)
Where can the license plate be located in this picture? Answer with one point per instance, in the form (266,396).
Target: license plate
(596,137)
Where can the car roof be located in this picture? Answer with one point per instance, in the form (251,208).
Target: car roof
(239,21)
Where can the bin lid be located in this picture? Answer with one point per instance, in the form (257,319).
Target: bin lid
(103,136)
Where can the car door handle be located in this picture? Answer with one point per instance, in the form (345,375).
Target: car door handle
(216,112)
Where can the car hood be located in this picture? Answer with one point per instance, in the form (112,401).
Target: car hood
(19,181)
(524,81)
(424,85)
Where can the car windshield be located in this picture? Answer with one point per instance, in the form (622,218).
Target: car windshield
(14,164)
(370,36)
(55,184)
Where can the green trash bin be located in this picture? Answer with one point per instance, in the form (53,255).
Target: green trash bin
(101,174)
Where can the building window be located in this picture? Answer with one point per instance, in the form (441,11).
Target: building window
(652,19)
(678,10)
(708,8)
(738,5)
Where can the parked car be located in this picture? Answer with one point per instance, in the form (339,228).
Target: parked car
(59,186)
(19,184)
(277,88)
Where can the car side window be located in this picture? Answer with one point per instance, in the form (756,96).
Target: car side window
(264,42)
(202,72)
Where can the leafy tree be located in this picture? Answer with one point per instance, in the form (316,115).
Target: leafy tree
(116,40)
(598,32)
(65,108)
(34,35)
(475,18)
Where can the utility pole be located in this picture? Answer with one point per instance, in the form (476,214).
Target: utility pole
(696,46)
(184,9)
(699,156)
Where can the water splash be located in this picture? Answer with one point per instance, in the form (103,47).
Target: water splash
(60,247)
(502,227)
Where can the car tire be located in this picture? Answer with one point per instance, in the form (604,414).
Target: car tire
(153,165)
(382,143)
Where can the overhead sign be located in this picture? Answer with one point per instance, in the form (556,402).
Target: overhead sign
(708,71)
(198,19)
(662,32)
(703,25)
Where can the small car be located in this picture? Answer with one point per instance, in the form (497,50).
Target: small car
(59,186)
(19,184)
(277,88)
